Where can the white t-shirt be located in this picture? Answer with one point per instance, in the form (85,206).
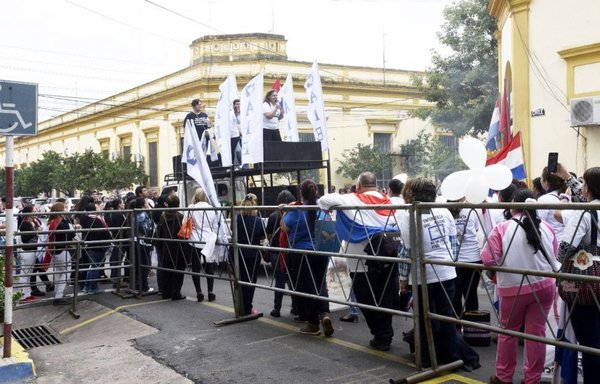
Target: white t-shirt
(548,214)
(235,126)
(467,225)
(272,123)
(438,226)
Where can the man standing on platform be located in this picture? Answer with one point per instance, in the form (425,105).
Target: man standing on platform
(199,120)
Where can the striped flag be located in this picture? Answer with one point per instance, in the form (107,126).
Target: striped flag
(511,156)
(494,130)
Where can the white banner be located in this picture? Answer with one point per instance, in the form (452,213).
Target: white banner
(229,93)
(197,168)
(286,95)
(316,106)
(252,120)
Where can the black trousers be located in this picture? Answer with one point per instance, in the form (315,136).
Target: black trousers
(271,135)
(372,292)
(466,283)
(311,273)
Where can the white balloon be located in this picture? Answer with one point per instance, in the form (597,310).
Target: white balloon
(476,188)
(472,152)
(497,176)
(402,177)
(453,186)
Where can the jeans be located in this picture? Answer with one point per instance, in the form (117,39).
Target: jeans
(311,274)
(96,259)
(586,324)
(142,267)
(280,280)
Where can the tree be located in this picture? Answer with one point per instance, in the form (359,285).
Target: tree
(67,174)
(364,158)
(416,153)
(430,157)
(464,84)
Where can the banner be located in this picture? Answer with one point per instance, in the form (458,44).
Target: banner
(316,106)
(286,95)
(197,168)
(252,121)
(229,93)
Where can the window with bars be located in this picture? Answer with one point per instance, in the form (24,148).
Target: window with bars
(153,163)
(382,142)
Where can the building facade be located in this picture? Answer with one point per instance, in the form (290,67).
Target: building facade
(548,57)
(363,105)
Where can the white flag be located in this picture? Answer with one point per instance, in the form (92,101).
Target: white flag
(229,93)
(316,107)
(252,121)
(286,95)
(197,168)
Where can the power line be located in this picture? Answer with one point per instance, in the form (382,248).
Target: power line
(125,24)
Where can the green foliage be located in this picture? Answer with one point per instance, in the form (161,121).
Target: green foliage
(416,154)
(430,157)
(67,174)
(361,159)
(463,84)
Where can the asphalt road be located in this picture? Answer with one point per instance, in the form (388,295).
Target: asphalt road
(151,340)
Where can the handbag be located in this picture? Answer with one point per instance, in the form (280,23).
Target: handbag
(185,232)
(585,261)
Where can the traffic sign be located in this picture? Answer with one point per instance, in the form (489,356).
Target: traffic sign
(18,108)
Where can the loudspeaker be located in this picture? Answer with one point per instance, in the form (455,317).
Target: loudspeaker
(296,155)
(178,167)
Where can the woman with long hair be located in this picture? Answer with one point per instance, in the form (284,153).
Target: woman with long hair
(250,230)
(300,227)
(204,230)
(26,253)
(60,231)
(272,113)
(528,243)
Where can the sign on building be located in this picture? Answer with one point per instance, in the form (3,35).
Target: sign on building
(18,108)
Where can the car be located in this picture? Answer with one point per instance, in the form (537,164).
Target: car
(71,203)
(45,208)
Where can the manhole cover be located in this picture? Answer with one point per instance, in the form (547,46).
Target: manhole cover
(34,337)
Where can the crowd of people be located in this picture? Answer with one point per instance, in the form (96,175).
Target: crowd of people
(528,239)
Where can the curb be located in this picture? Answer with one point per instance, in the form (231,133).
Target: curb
(17,367)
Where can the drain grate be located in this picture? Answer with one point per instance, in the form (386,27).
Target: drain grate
(34,337)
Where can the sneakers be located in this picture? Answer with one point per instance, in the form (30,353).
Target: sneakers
(378,345)
(61,301)
(327,326)
(275,313)
(37,293)
(28,299)
(349,318)
(310,329)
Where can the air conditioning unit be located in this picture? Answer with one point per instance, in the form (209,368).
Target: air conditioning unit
(585,111)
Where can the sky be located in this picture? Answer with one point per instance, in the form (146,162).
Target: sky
(80,51)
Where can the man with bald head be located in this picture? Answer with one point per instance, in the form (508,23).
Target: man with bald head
(355,227)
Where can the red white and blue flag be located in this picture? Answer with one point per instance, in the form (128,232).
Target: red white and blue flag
(356,226)
(511,156)
(494,130)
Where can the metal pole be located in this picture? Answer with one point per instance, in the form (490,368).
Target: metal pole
(8,259)
(132,255)
(415,246)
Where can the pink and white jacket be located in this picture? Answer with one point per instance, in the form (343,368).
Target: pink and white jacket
(520,255)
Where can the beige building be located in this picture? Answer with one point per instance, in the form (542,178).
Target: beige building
(549,58)
(363,105)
